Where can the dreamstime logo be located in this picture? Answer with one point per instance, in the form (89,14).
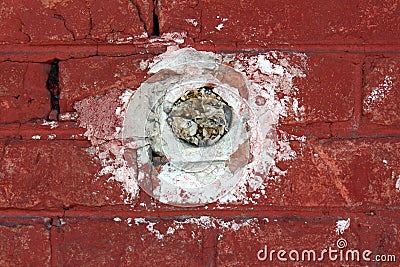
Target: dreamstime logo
(342,253)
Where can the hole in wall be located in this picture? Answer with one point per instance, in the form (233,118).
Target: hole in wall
(156,23)
(200,117)
(53,87)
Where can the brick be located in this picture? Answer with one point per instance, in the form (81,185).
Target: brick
(106,27)
(238,247)
(101,74)
(47,174)
(340,173)
(91,242)
(42,21)
(327,91)
(25,17)
(24,244)
(303,22)
(23,93)
(381,97)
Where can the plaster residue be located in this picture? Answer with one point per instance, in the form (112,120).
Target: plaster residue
(193,22)
(265,89)
(51,124)
(36,137)
(203,222)
(342,225)
(398,184)
(378,94)
(102,118)
(269,74)
(171,38)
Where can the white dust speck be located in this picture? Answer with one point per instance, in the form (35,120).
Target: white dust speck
(51,136)
(398,184)
(219,26)
(342,225)
(192,21)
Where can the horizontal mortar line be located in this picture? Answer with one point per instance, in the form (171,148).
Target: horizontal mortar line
(355,48)
(299,212)
(30,214)
(28,52)
(242,213)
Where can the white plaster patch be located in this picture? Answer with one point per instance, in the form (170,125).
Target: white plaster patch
(264,75)
(342,225)
(398,184)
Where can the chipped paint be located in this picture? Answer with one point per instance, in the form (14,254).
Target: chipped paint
(342,225)
(36,137)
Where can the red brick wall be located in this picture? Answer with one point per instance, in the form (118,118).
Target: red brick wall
(55,211)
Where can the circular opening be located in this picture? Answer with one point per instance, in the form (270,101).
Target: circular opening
(200,117)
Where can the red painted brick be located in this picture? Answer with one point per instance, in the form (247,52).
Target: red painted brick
(23,93)
(327,91)
(100,75)
(290,22)
(36,22)
(114,21)
(93,242)
(240,247)
(381,96)
(46,174)
(24,244)
(66,21)
(340,173)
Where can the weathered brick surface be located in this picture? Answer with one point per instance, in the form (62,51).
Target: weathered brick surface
(290,22)
(239,247)
(45,174)
(43,21)
(348,100)
(381,94)
(93,242)
(326,93)
(100,75)
(340,173)
(23,93)
(24,244)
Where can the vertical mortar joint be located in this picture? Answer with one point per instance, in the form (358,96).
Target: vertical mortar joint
(53,87)
(156,23)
